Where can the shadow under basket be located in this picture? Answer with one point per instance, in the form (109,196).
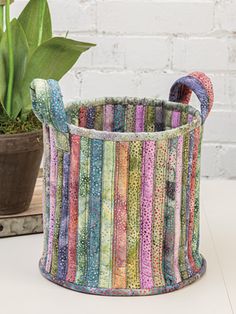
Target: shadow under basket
(121,189)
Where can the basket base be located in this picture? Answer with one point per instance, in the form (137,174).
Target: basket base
(124,292)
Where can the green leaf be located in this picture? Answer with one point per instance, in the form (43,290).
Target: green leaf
(1,20)
(51,60)
(33,25)
(1,33)
(21,49)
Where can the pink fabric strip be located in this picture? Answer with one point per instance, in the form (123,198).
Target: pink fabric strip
(82,117)
(139,118)
(53,190)
(108,118)
(146,215)
(178,193)
(192,198)
(73,207)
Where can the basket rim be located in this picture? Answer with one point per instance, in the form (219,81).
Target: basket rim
(133,136)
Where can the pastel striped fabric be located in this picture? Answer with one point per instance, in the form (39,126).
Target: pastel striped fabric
(122,217)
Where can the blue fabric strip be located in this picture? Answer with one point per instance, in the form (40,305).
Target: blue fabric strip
(63,234)
(119,118)
(90,117)
(94,224)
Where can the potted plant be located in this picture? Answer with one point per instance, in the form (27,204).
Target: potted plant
(27,51)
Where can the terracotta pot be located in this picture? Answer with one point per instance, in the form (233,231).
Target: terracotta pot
(20,158)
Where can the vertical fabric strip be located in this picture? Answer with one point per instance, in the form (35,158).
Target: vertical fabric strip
(73,207)
(83,204)
(95,200)
(90,117)
(195,243)
(130,118)
(140,118)
(150,119)
(57,214)
(53,189)
(169,239)
(107,215)
(63,233)
(120,216)
(46,190)
(133,224)
(158,213)
(108,117)
(178,191)
(119,118)
(167,119)
(83,117)
(98,123)
(146,215)
(188,189)
(183,260)
(192,199)
(159,122)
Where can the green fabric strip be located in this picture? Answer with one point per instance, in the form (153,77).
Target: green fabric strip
(57,214)
(158,213)
(182,261)
(98,121)
(107,215)
(130,118)
(133,225)
(167,119)
(83,210)
(195,243)
(150,119)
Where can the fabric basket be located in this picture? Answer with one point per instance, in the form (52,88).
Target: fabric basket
(121,189)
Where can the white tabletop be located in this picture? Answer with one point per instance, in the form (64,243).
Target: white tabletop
(24,291)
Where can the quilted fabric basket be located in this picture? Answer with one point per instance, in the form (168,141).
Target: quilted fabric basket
(121,189)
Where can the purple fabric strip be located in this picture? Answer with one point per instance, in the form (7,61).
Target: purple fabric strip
(190,163)
(139,118)
(46,192)
(175,119)
(53,190)
(90,117)
(146,215)
(159,123)
(108,118)
(176,116)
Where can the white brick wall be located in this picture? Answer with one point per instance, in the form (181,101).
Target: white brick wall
(144,45)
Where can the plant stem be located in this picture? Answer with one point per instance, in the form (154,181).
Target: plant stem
(10,60)
(42,9)
(1,17)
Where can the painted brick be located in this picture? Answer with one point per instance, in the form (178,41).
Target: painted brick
(221,127)
(211,163)
(150,53)
(205,54)
(106,84)
(71,15)
(226,16)
(155,17)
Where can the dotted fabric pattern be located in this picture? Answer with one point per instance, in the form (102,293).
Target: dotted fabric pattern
(121,190)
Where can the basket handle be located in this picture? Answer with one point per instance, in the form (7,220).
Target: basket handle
(198,83)
(48,104)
